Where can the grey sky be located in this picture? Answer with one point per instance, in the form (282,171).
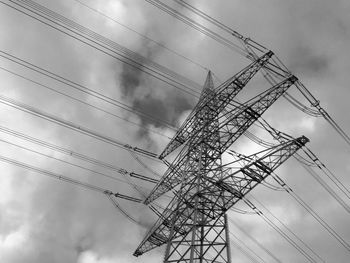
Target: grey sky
(43,220)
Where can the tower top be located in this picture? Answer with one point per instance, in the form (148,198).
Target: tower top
(208,85)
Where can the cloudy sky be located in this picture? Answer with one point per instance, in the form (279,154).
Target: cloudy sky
(45,220)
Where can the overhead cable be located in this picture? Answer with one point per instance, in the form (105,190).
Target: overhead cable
(74,154)
(120,170)
(82,88)
(247,248)
(255,241)
(68,179)
(70,125)
(141,35)
(250,46)
(134,57)
(317,217)
(288,229)
(111,195)
(327,187)
(220,25)
(327,172)
(313,161)
(244,251)
(280,231)
(126,214)
(204,30)
(100,43)
(147,129)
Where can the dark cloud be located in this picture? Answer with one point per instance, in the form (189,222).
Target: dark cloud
(144,96)
(131,76)
(306,61)
(168,109)
(130,79)
(84,243)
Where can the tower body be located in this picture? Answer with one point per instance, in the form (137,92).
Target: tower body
(207,240)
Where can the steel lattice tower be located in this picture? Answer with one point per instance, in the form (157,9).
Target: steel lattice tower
(194,225)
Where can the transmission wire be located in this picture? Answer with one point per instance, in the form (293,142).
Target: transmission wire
(307,165)
(245,252)
(288,229)
(248,49)
(74,154)
(246,246)
(81,88)
(84,102)
(70,125)
(142,35)
(105,49)
(125,172)
(204,30)
(255,241)
(279,231)
(66,179)
(136,57)
(81,184)
(301,202)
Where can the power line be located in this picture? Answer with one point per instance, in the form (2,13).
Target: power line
(204,30)
(120,170)
(67,179)
(221,25)
(247,247)
(81,88)
(142,35)
(62,150)
(133,55)
(288,229)
(249,52)
(322,222)
(76,155)
(107,46)
(255,241)
(111,195)
(327,187)
(70,125)
(306,164)
(280,231)
(84,102)
(126,214)
(327,172)
(315,103)
(80,156)
(244,251)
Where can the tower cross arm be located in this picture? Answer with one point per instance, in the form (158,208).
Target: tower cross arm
(234,184)
(233,125)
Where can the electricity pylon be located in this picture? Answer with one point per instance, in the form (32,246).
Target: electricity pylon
(194,225)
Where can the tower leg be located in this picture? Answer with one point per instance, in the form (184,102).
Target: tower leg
(208,242)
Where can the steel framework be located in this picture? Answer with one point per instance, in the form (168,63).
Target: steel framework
(194,224)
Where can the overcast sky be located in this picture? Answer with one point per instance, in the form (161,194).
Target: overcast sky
(45,220)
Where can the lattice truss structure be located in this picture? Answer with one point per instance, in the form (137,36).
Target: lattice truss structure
(194,224)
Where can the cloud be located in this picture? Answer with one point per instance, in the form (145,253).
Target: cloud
(305,61)
(130,79)
(145,96)
(168,109)
(61,223)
